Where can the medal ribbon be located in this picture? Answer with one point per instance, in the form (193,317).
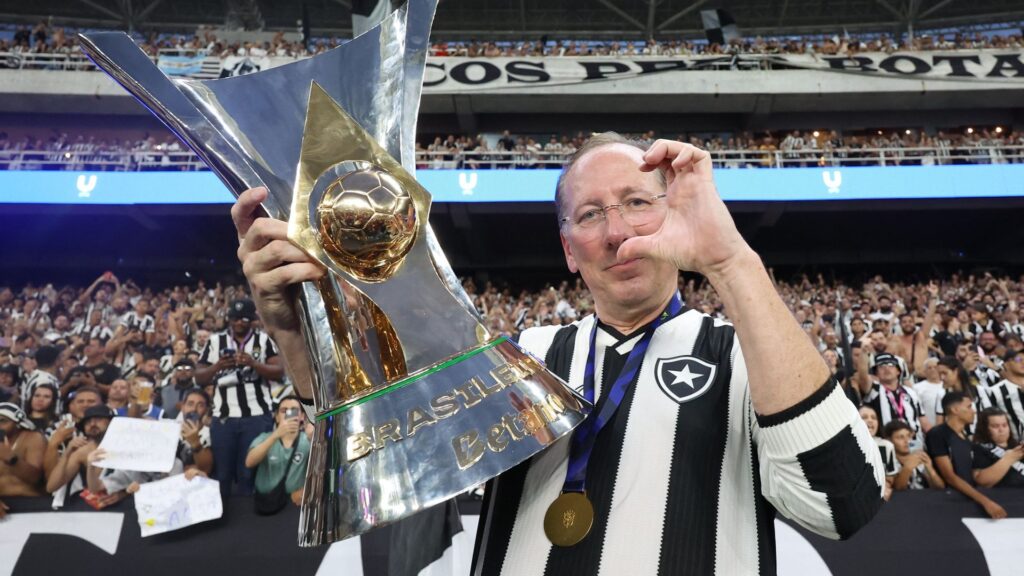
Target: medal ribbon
(586,434)
(897,401)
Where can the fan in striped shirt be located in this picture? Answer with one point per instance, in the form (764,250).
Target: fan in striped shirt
(980,375)
(894,401)
(139,320)
(240,361)
(45,372)
(1007,396)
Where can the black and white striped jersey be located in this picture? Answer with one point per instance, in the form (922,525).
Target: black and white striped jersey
(888,453)
(100,331)
(981,400)
(901,404)
(983,376)
(1007,397)
(685,478)
(240,391)
(132,321)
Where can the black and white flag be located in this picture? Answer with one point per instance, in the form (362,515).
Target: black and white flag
(719,26)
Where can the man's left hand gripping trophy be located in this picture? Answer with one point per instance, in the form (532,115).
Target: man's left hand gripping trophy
(415,400)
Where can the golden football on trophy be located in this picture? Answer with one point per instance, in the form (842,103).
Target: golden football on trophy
(367,222)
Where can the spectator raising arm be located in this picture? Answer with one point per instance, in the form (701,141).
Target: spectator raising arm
(921,339)
(288,428)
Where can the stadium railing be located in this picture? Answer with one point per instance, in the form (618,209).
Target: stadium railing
(184,160)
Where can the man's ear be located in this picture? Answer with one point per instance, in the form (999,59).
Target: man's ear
(570,261)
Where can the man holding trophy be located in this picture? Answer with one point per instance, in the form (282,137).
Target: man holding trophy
(639,440)
(704,447)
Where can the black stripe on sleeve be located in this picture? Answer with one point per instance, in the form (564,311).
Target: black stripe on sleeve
(691,511)
(839,470)
(800,408)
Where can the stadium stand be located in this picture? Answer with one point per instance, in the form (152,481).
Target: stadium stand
(936,282)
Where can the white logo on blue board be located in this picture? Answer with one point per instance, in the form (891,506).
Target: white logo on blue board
(467,182)
(833,179)
(85,185)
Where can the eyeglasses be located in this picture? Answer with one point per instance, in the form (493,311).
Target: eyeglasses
(635,211)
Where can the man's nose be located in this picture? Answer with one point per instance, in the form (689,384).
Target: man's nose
(617,230)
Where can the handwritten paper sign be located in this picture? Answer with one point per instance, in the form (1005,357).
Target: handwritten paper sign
(140,445)
(174,503)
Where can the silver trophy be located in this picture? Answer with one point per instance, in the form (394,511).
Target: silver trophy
(415,400)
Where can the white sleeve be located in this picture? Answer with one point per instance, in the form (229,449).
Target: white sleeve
(818,464)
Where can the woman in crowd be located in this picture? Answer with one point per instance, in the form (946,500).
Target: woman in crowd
(997,457)
(955,378)
(43,407)
(887,450)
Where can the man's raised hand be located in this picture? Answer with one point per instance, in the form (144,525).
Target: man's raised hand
(698,233)
(270,262)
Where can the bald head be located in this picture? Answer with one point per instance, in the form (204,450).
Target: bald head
(595,142)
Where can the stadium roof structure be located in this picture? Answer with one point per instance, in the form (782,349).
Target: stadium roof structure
(533,19)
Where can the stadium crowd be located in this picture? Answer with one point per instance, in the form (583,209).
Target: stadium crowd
(46,39)
(994,145)
(934,366)
(986,145)
(827,45)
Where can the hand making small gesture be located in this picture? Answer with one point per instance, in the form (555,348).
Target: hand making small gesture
(698,233)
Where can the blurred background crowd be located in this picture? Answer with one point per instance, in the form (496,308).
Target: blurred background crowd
(73,357)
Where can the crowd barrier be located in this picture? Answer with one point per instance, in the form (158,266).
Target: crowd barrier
(185,161)
(926,532)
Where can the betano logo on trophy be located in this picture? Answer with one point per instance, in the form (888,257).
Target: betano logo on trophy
(415,400)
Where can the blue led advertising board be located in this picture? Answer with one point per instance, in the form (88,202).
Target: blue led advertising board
(736,185)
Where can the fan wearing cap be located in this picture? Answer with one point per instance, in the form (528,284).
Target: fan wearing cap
(21,453)
(69,475)
(241,362)
(895,401)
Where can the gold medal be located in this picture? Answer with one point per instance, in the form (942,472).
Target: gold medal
(569,519)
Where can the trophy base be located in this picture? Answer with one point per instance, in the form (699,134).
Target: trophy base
(430,436)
